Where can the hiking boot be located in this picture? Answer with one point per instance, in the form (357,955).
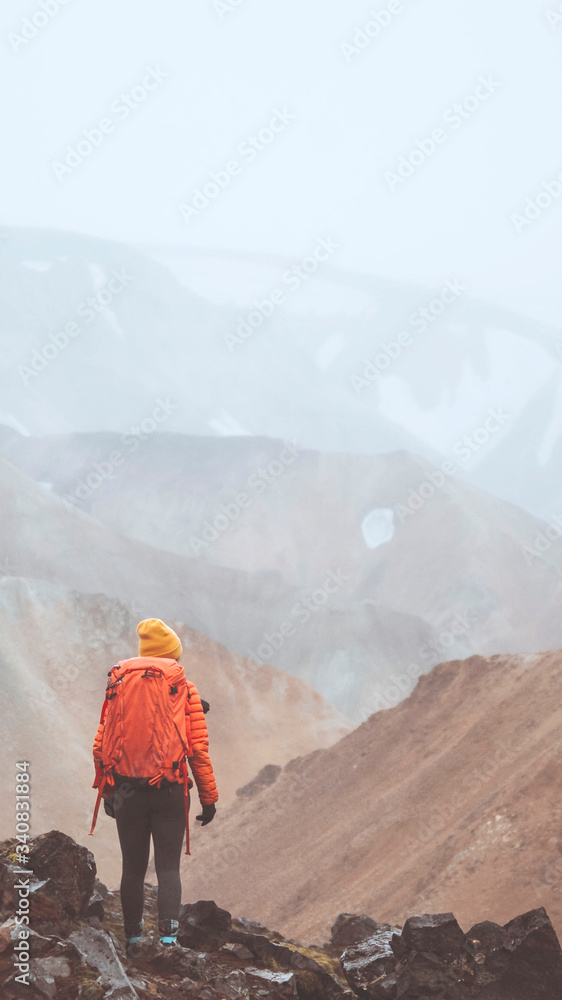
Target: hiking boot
(168,931)
(133,938)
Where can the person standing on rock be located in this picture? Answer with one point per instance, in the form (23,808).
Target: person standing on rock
(152,723)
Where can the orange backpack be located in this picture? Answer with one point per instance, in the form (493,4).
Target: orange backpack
(146,728)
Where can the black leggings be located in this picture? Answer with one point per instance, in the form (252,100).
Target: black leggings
(139,813)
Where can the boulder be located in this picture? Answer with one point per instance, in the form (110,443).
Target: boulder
(349,929)
(95,907)
(45,973)
(204,926)
(438,933)
(96,950)
(428,957)
(485,956)
(282,985)
(368,964)
(67,873)
(535,957)
(9,875)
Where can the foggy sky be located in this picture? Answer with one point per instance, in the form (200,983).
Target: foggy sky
(355,115)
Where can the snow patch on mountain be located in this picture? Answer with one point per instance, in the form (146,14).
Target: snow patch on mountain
(378,527)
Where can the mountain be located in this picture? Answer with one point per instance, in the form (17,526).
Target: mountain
(436,359)
(74,303)
(449,800)
(347,647)
(423,565)
(56,647)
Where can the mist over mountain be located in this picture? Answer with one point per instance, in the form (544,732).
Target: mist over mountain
(396,367)
(354,573)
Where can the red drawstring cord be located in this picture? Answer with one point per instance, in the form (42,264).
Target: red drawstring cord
(97,805)
(186,803)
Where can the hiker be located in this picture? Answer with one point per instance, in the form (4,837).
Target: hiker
(152,722)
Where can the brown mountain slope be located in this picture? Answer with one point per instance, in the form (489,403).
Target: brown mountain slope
(56,647)
(449,801)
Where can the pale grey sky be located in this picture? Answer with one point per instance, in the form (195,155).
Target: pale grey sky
(355,113)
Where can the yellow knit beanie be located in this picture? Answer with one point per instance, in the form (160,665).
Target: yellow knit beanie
(157,639)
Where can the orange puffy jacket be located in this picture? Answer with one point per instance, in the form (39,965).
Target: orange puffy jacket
(198,738)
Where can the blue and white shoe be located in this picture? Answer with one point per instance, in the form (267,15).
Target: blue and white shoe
(168,930)
(133,939)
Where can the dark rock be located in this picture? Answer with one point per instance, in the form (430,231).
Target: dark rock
(175,960)
(249,926)
(10,932)
(69,872)
(238,949)
(429,956)
(94,907)
(276,984)
(271,952)
(486,958)
(350,929)
(9,875)
(263,779)
(535,966)
(438,933)
(204,926)
(367,964)
(312,978)
(386,989)
(231,984)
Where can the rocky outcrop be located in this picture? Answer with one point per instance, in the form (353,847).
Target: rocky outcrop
(467,803)
(432,957)
(263,779)
(73,948)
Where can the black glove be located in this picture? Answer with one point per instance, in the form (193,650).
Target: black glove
(205,705)
(208,814)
